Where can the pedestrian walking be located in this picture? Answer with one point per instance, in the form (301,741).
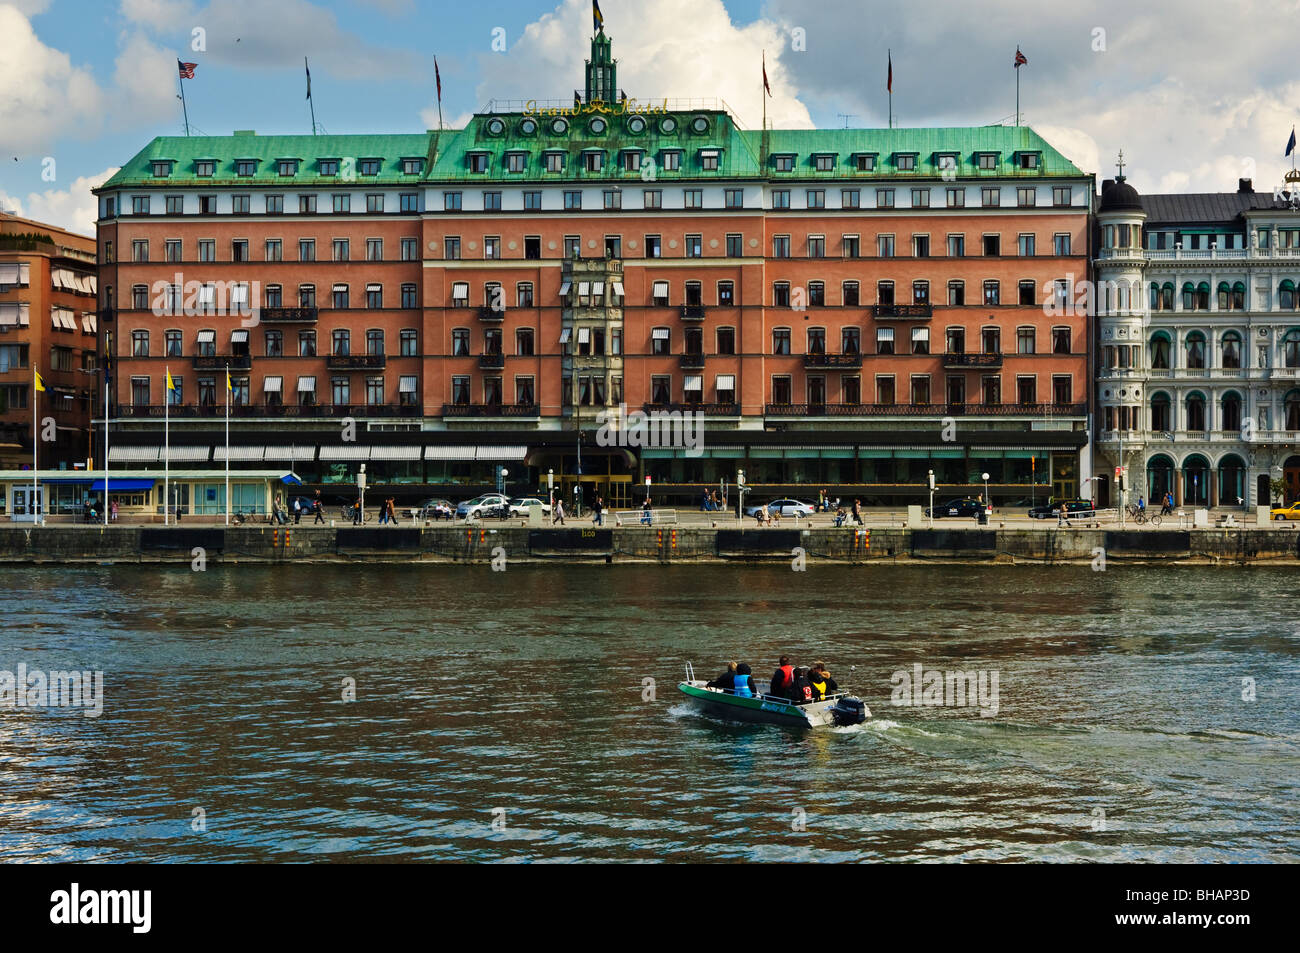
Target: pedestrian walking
(647,514)
(391,505)
(356,512)
(598,511)
(318,508)
(1168,507)
(112,511)
(297,511)
(558,515)
(857,512)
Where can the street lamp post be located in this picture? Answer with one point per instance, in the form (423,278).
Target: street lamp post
(988,503)
(930,476)
(93,371)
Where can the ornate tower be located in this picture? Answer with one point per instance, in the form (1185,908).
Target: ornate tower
(602,70)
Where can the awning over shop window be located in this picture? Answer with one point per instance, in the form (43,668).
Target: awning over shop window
(345,453)
(239,453)
(122,486)
(395,453)
(133,454)
(449,453)
(500,454)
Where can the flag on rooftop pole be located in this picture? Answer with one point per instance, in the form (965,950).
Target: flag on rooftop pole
(767,87)
(1020,61)
(889,87)
(310,102)
(308,69)
(1290,143)
(186,69)
(597,18)
(437,78)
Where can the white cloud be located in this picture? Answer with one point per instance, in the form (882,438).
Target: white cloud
(72,208)
(43,96)
(679,49)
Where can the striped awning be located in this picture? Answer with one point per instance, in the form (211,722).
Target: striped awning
(395,453)
(449,453)
(239,453)
(345,452)
(277,453)
(186,454)
(133,454)
(500,454)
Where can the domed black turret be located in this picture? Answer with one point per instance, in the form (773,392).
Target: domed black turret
(1119,196)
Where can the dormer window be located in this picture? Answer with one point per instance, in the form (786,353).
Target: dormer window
(945,161)
(477,162)
(1028,160)
(245,167)
(369,166)
(516,161)
(783,163)
(327,167)
(286,167)
(672,160)
(205,168)
(630,160)
(709,159)
(554,159)
(412,166)
(986,161)
(864,161)
(593,160)
(162,168)
(905,161)
(824,162)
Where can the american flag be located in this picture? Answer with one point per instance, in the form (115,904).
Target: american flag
(1020,58)
(187,69)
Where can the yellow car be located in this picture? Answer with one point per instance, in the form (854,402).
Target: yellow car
(1291,512)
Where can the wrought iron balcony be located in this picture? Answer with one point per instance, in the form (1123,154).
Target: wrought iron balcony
(288,315)
(690,362)
(491,314)
(490,410)
(924,410)
(710,410)
(832,360)
(356,362)
(902,312)
(954,360)
(216,362)
(491,362)
(692,312)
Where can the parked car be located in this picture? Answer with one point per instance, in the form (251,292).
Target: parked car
(784,507)
(482,507)
(967,506)
(433,509)
(1051,508)
(1291,512)
(520,506)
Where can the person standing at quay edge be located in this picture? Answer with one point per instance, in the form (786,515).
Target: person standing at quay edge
(318,507)
(597,512)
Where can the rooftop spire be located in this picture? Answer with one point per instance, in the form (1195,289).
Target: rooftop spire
(1120,164)
(602,68)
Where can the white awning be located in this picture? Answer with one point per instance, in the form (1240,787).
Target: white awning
(14,314)
(239,453)
(306,385)
(341,287)
(406,385)
(289,453)
(89,323)
(118,454)
(726,382)
(345,452)
(449,453)
(884,334)
(207,337)
(62,318)
(500,454)
(618,288)
(564,335)
(661,289)
(693,382)
(584,335)
(660,334)
(239,336)
(920,334)
(584,289)
(271,385)
(565,288)
(598,287)
(13,273)
(181,455)
(395,453)
(460,290)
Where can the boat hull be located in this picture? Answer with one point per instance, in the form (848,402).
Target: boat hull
(765,710)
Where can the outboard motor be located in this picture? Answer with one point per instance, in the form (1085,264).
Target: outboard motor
(849,711)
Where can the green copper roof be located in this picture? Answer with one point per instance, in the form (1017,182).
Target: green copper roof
(185,151)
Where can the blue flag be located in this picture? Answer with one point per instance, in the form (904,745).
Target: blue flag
(1290,143)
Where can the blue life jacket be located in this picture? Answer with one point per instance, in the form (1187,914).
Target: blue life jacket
(742,687)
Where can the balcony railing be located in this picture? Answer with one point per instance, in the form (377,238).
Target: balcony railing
(690,362)
(356,362)
(106,314)
(491,314)
(924,410)
(491,362)
(956,360)
(692,312)
(902,312)
(709,410)
(181,411)
(490,410)
(288,315)
(832,360)
(216,362)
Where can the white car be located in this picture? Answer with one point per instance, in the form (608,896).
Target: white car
(784,507)
(489,504)
(520,506)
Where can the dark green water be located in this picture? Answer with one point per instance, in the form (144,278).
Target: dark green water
(519,696)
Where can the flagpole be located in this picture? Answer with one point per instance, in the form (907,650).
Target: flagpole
(184,109)
(311,102)
(167,452)
(763,92)
(227,444)
(1017,71)
(36,509)
(891,89)
(438,80)
(106,446)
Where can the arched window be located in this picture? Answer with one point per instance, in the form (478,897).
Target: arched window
(1160,351)
(1232,349)
(1291,404)
(1238,300)
(1155,296)
(1160,416)
(1203,296)
(1167,296)
(1196,350)
(1286,295)
(1189,296)
(1291,348)
(1224,296)
(1195,411)
(1230,411)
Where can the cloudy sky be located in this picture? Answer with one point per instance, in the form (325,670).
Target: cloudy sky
(1197,93)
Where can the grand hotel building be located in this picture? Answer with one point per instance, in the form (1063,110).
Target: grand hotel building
(848,308)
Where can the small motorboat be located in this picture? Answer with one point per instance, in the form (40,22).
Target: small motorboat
(839,709)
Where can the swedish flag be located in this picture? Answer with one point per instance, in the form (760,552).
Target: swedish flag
(40,384)
(228,384)
(597,18)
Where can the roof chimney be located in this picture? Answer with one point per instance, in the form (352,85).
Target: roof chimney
(1245,185)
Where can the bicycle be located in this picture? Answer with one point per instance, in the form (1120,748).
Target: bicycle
(346,514)
(1139,515)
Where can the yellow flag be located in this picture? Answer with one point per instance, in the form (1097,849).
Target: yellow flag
(171,385)
(40,384)
(228,385)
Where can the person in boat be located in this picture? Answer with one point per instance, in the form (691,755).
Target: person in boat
(801,691)
(782,678)
(821,681)
(726,680)
(744,682)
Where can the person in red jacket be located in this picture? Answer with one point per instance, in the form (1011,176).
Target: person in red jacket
(782,678)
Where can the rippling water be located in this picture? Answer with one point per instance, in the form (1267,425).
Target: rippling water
(517,697)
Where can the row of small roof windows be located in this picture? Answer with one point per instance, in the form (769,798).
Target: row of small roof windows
(594,160)
(341,167)
(598,125)
(905,161)
(631,159)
